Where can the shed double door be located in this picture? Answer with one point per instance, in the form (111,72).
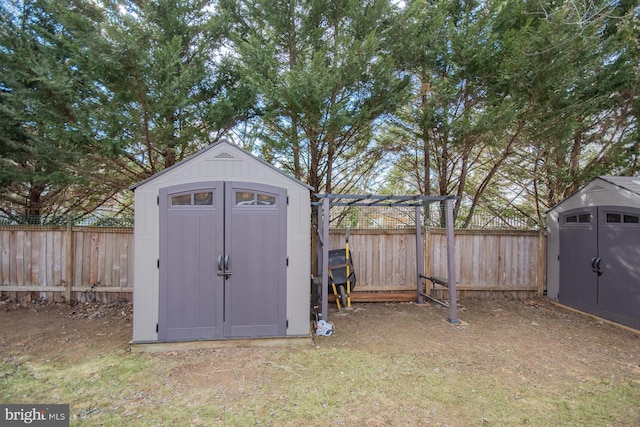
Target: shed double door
(222,261)
(599,267)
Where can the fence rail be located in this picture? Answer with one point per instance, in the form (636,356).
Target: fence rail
(96,264)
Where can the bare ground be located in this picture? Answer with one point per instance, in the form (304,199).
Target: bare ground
(531,343)
(63,334)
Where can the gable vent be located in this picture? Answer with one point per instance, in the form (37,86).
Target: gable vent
(224,155)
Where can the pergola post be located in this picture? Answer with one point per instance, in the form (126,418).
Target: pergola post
(451,265)
(325,257)
(419,255)
(319,253)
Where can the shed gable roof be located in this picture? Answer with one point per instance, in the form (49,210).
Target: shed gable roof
(624,183)
(627,182)
(228,151)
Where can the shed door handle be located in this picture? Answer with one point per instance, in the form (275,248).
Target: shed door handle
(595,265)
(223,269)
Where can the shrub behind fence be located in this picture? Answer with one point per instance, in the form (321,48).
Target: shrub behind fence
(401,217)
(68,220)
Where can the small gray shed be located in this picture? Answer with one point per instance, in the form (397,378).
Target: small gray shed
(593,250)
(222,250)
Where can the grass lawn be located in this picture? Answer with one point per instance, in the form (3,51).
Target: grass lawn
(513,363)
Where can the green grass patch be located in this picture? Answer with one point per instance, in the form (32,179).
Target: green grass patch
(315,386)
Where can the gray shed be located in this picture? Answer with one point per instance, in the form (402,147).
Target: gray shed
(222,250)
(593,250)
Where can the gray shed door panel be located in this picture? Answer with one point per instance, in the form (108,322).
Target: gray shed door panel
(190,237)
(255,243)
(619,251)
(578,246)
(599,268)
(203,223)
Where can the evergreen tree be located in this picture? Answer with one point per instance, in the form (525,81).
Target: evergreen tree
(165,93)
(450,137)
(98,95)
(518,103)
(46,162)
(324,78)
(572,71)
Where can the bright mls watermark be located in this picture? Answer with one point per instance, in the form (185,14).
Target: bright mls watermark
(34,415)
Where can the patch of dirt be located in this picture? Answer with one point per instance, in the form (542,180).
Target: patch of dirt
(61,333)
(225,373)
(531,339)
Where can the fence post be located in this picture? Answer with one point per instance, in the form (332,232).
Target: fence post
(69,260)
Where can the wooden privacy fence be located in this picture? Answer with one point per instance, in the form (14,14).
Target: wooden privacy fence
(96,264)
(66,263)
(500,262)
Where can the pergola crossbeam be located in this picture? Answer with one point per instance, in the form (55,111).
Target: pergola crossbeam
(375,200)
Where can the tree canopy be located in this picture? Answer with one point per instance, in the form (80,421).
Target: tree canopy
(509,105)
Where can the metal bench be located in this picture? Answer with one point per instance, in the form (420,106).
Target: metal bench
(435,281)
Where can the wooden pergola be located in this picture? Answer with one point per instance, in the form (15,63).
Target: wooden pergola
(326,201)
